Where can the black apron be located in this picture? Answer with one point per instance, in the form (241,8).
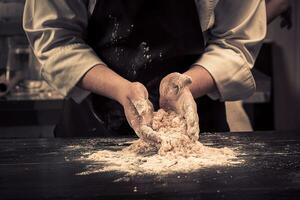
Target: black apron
(142,41)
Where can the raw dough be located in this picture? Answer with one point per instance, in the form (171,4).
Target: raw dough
(166,135)
(164,148)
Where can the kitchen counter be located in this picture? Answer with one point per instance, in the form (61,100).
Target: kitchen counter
(44,169)
(32,106)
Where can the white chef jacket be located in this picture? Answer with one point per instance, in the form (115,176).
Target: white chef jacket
(233,32)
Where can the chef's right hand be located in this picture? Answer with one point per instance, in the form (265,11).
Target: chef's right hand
(103,81)
(138,109)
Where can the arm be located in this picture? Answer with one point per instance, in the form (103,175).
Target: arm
(103,81)
(56,29)
(224,70)
(202,82)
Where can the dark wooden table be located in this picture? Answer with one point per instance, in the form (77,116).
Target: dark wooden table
(37,169)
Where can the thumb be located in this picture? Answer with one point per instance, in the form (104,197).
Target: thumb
(144,109)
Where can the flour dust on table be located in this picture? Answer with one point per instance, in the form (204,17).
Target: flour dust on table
(164,148)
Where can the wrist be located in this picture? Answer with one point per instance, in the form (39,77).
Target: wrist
(202,81)
(103,81)
(122,92)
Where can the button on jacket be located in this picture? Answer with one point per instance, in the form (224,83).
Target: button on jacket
(233,31)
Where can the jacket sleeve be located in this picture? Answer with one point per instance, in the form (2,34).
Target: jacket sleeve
(56,30)
(232,47)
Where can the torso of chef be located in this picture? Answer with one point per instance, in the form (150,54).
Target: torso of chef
(143,42)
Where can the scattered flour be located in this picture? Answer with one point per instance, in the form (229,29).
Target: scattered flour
(165,148)
(155,164)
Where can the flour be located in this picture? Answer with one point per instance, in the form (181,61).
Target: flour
(167,134)
(165,149)
(154,164)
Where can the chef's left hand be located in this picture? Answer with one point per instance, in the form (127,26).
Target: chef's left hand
(175,95)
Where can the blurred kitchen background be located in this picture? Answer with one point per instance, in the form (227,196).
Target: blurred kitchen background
(30,108)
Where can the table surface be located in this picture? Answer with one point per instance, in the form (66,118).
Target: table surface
(38,169)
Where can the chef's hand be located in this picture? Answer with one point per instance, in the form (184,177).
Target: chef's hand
(138,109)
(103,81)
(175,95)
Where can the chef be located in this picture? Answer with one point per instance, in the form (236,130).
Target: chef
(105,55)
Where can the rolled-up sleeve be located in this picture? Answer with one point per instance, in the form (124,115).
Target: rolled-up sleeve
(56,30)
(232,47)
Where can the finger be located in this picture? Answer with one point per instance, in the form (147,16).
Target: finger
(141,103)
(145,111)
(140,91)
(175,82)
(163,103)
(167,83)
(132,116)
(139,113)
(185,80)
(141,106)
(148,115)
(168,104)
(192,120)
(149,135)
